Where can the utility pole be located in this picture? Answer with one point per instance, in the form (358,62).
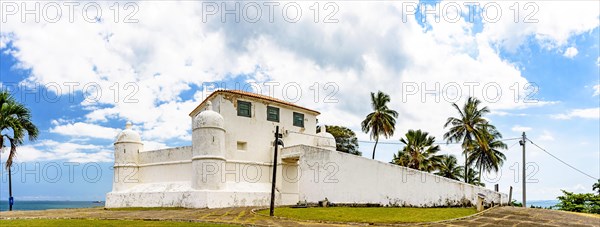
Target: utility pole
(523,142)
(510,196)
(276,143)
(11,200)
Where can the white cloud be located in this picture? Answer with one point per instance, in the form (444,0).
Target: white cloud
(153,145)
(50,150)
(518,128)
(589,113)
(550,30)
(504,113)
(4,38)
(163,61)
(596,90)
(571,52)
(546,136)
(81,129)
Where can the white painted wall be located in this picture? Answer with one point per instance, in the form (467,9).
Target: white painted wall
(346,178)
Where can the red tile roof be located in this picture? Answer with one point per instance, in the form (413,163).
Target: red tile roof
(251,95)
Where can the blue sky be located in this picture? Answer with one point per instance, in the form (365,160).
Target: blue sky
(155,71)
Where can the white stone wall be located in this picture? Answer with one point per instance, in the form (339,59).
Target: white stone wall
(166,165)
(166,155)
(346,178)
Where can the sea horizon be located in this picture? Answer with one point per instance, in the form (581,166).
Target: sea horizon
(49,204)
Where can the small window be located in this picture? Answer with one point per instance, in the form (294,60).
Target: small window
(243,109)
(299,119)
(272,113)
(241,146)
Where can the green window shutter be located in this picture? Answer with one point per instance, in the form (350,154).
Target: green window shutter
(298,119)
(272,113)
(243,108)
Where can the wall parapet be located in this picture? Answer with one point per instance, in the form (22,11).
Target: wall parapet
(166,155)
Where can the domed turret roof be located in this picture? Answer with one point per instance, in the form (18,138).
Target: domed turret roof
(128,135)
(326,140)
(209,118)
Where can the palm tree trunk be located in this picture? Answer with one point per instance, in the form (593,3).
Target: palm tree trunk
(466,169)
(375,147)
(9,189)
(480,168)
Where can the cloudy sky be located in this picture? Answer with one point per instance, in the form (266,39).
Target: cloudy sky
(84,69)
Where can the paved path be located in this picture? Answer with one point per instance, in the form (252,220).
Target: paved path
(501,216)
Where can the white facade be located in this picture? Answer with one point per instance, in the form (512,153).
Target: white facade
(230,164)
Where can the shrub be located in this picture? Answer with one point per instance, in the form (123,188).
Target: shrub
(583,202)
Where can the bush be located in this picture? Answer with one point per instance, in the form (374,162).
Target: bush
(515,203)
(584,202)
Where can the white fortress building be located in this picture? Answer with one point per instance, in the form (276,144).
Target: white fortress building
(230,160)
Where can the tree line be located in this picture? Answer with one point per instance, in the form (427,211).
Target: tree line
(480,141)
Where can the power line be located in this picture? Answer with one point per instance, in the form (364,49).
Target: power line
(511,146)
(400,143)
(438,143)
(391,142)
(516,138)
(561,160)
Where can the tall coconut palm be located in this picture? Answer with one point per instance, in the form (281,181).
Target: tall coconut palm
(419,152)
(449,168)
(15,124)
(469,127)
(382,121)
(490,159)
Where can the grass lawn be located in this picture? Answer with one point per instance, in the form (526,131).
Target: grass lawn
(145,208)
(66,222)
(372,214)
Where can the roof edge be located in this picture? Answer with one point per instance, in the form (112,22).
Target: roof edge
(250,95)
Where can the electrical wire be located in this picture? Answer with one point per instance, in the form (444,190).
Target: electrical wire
(573,167)
(391,142)
(511,146)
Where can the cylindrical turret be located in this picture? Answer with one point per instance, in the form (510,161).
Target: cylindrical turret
(208,150)
(127,148)
(325,140)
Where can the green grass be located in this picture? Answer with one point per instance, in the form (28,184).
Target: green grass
(73,222)
(373,214)
(145,208)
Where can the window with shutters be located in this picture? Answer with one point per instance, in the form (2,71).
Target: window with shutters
(243,108)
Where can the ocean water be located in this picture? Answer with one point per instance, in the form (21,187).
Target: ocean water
(542,203)
(45,205)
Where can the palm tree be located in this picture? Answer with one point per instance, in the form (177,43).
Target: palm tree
(488,159)
(15,123)
(472,179)
(469,127)
(449,168)
(419,152)
(382,121)
(596,186)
